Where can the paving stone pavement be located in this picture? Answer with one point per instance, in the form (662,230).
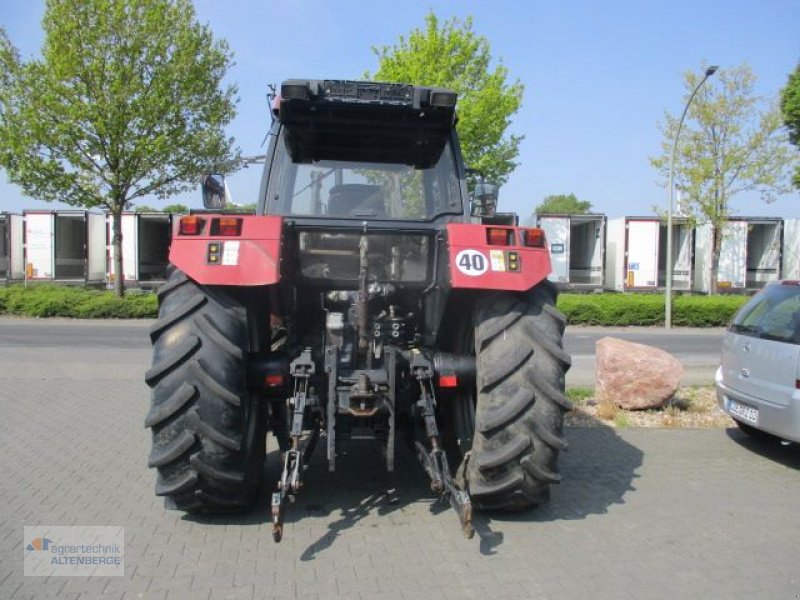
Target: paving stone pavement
(640,513)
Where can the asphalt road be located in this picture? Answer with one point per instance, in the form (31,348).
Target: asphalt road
(74,333)
(697,349)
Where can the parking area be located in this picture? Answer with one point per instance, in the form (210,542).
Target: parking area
(640,513)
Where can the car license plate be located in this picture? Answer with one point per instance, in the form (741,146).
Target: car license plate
(745,413)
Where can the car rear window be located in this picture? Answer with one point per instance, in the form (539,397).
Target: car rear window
(772,314)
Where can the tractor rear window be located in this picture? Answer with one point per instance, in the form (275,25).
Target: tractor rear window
(328,256)
(346,189)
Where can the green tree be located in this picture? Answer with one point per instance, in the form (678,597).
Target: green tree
(450,54)
(142,208)
(176,209)
(563,204)
(732,142)
(245,208)
(125,102)
(9,61)
(790,106)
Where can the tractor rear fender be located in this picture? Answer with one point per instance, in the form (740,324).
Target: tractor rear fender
(496,257)
(228,249)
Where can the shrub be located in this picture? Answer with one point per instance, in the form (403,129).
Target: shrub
(705,311)
(648,309)
(50,300)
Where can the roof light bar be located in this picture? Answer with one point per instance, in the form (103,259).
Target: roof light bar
(444,98)
(295,90)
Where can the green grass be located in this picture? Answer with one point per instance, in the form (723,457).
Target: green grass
(621,420)
(648,309)
(50,300)
(579,395)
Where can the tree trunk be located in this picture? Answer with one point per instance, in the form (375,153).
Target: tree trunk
(716,246)
(116,241)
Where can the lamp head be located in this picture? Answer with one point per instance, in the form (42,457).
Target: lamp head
(711,70)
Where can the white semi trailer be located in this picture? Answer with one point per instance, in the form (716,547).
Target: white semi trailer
(13,235)
(750,254)
(577,248)
(145,247)
(636,253)
(791,249)
(4,246)
(64,246)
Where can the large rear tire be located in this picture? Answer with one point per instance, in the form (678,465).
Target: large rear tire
(209,433)
(520,407)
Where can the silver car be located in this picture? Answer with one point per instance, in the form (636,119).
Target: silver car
(758,382)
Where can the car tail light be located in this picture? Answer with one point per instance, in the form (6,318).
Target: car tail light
(226,226)
(499,237)
(448,381)
(534,237)
(190,225)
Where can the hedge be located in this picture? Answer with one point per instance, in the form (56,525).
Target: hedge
(648,309)
(46,300)
(49,300)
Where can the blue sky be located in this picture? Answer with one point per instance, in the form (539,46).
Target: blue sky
(598,78)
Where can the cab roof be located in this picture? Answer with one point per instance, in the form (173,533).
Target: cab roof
(365,121)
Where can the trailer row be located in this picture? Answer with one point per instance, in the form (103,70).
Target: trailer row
(75,246)
(630,253)
(587,251)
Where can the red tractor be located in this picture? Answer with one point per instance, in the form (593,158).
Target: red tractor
(367,298)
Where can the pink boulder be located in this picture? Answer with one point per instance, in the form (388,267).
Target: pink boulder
(635,376)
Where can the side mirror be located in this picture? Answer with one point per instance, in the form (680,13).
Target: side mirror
(215,192)
(484,199)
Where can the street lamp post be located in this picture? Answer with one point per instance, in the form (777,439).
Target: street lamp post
(668,292)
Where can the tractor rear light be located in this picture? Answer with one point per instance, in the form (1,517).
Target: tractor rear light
(226,226)
(534,237)
(443,98)
(448,381)
(273,380)
(191,225)
(499,237)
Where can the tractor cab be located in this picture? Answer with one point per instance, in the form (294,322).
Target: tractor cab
(355,151)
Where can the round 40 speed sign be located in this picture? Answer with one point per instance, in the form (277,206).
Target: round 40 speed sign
(472,262)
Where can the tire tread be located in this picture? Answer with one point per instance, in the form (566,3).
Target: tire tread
(521,402)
